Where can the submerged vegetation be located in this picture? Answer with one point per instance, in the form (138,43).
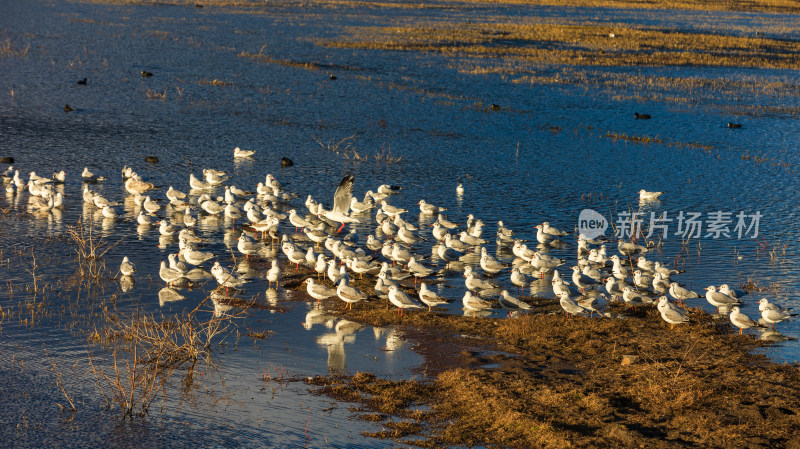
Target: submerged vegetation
(347,149)
(9,50)
(131,356)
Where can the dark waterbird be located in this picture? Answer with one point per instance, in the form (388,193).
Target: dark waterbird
(331,76)
(82,82)
(641,116)
(734,125)
(146,74)
(68,108)
(286,162)
(151,159)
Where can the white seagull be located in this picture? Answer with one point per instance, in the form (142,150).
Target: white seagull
(341,203)
(240,153)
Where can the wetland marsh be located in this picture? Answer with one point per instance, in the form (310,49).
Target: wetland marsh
(529,105)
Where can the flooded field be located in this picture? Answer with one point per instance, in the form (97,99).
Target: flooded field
(532,109)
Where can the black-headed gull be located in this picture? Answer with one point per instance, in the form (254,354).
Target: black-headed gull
(392,210)
(341,203)
(718,299)
(570,306)
(387,189)
(489,264)
(169,275)
(445,223)
(741,320)
(417,269)
(430,298)
(518,279)
(511,304)
(135,185)
(642,280)
(349,294)
(318,291)
(772,313)
(474,304)
(669,314)
(429,209)
(88,176)
(552,231)
(681,293)
(474,284)
(580,280)
(246,245)
(633,298)
(595,303)
(359,207)
(240,153)
(59,177)
(402,300)
(127,268)
(225,278)
(629,248)
(644,195)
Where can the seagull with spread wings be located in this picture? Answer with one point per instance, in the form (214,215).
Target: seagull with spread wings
(341,203)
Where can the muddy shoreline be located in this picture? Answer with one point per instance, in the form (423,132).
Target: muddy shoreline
(545,380)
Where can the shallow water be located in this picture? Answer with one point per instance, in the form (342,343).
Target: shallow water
(546,161)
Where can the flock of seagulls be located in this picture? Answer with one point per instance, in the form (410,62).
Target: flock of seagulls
(397,254)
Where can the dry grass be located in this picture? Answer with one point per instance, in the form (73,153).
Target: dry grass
(784,6)
(146,350)
(344,146)
(89,249)
(261,57)
(214,82)
(780,6)
(8,50)
(576,45)
(131,357)
(153,94)
(347,149)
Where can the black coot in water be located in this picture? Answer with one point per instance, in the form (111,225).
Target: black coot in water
(641,116)
(734,125)
(82,82)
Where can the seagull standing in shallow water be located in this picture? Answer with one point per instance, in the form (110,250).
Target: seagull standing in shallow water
(741,320)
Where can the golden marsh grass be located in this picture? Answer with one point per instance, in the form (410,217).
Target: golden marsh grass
(576,45)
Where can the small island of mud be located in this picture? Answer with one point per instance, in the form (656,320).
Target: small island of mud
(546,380)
